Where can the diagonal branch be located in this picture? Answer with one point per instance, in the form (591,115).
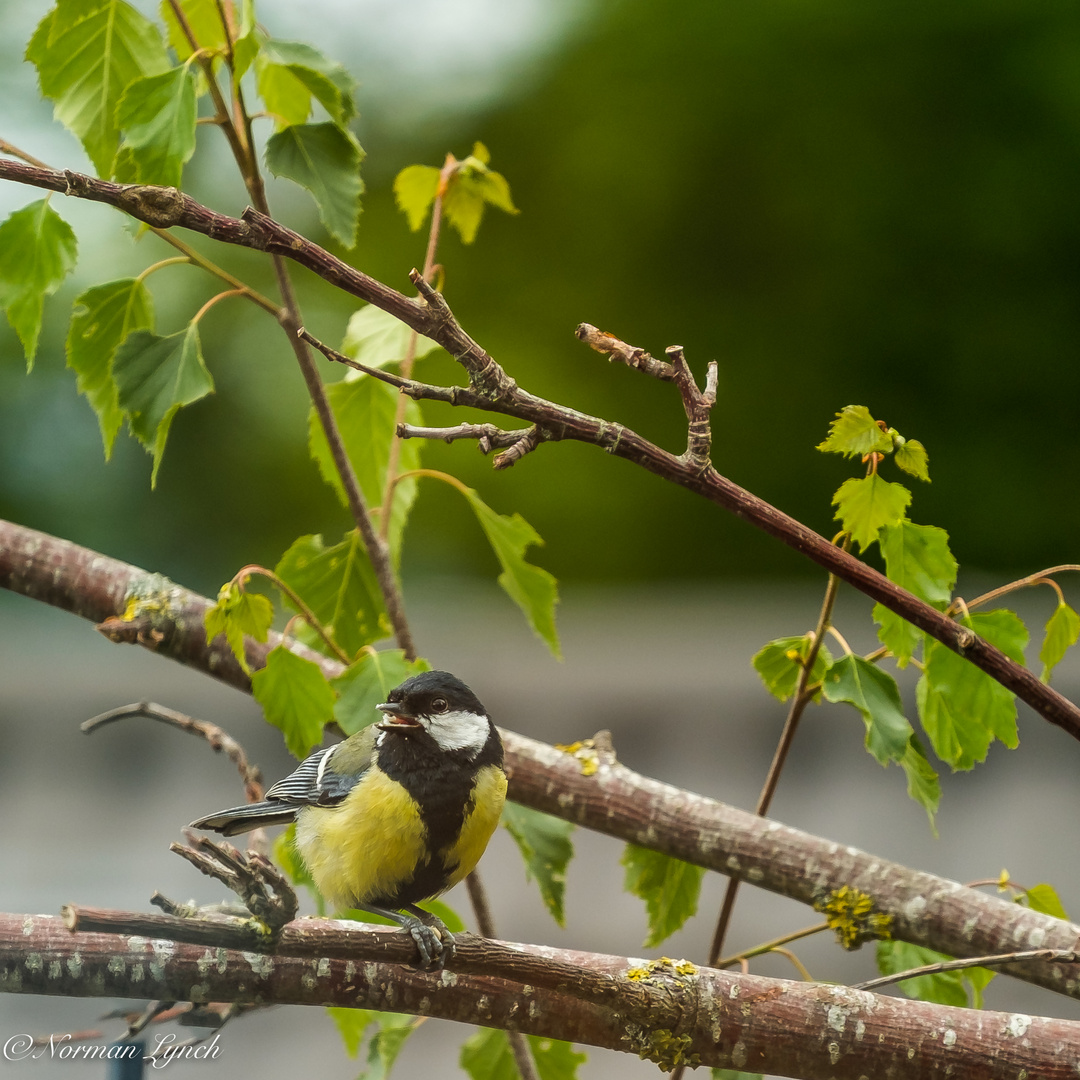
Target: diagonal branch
(492,389)
(925,909)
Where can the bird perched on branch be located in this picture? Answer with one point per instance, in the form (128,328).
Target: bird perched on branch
(397,813)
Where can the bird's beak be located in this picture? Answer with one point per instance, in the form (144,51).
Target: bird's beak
(396,717)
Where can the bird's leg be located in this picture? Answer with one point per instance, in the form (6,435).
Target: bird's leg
(434,942)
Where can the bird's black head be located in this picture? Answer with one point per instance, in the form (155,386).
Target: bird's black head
(442,705)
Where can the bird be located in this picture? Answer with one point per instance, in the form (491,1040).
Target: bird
(397,813)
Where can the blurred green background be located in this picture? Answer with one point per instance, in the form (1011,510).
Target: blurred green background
(840,202)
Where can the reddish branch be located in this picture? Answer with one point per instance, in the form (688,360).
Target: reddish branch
(926,910)
(490,388)
(723,1019)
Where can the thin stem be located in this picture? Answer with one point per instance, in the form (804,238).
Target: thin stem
(798,704)
(1068,956)
(770,946)
(841,640)
(154,267)
(1023,583)
(213,300)
(798,964)
(410,351)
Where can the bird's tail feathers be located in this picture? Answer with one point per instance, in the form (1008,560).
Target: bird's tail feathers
(241,819)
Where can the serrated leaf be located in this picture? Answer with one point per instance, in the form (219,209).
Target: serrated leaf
(339,585)
(534,590)
(295,698)
(386,1044)
(944,988)
(87,53)
(246,45)
(923,785)
(157,115)
(325,159)
(104,315)
(875,694)
(415,188)
(37,251)
(555,1060)
(962,708)
(366,414)
(290,73)
(544,842)
(365,684)
(780,662)
(911,456)
(352,1025)
(1062,631)
(855,433)
(917,558)
(1044,898)
(155,377)
(376,338)
(203,19)
(486,1055)
(669,887)
(866,505)
(236,613)
(468,191)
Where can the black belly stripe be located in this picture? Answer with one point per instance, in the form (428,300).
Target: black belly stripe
(442,783)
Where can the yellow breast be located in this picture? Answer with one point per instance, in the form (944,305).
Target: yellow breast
(367,846)
(480,822)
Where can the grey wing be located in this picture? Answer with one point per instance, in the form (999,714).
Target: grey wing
(313,783)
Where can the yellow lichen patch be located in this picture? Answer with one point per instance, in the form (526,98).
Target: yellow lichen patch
(585,752)
(853,916)
(637,974)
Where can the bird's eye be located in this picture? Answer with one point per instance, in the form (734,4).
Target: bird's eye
(439,705)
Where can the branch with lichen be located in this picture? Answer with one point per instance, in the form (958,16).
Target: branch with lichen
(585,783)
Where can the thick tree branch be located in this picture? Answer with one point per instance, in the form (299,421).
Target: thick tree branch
(611,799)
(492,389)
(664,1011)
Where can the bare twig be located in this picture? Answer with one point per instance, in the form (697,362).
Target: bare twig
(217,737)
(610,346)
(488,436)
(1068,956)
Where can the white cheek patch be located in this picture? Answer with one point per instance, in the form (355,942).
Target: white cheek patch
(459,731)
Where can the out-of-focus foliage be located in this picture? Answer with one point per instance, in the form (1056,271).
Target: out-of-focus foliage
(837,201)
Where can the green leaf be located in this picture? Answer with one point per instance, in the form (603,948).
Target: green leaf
(917,558)
(977,979)
(669,887)
(325,159)
(487,1056)
(235,614)
(534,590)
(37,251)
(157,115)
(1062,631)
(87,53)
(555,1060)
(923,785)
(911,456)
(288,858)
(104,315)
(155,376)
(780,662)
(545,846)
(1044,898)
(339,585)
(352,1025)
(204,21)
(962,709)
(366,414)
(944,988)
(365,684)
(470,188)
(867,504)
(376,338)
(875,694)
(855,433)
(290,73)
(394,1029)
(415,188)
(246,46)
(295,697)
(446,913)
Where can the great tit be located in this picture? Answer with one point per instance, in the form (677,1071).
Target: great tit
(397,813)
